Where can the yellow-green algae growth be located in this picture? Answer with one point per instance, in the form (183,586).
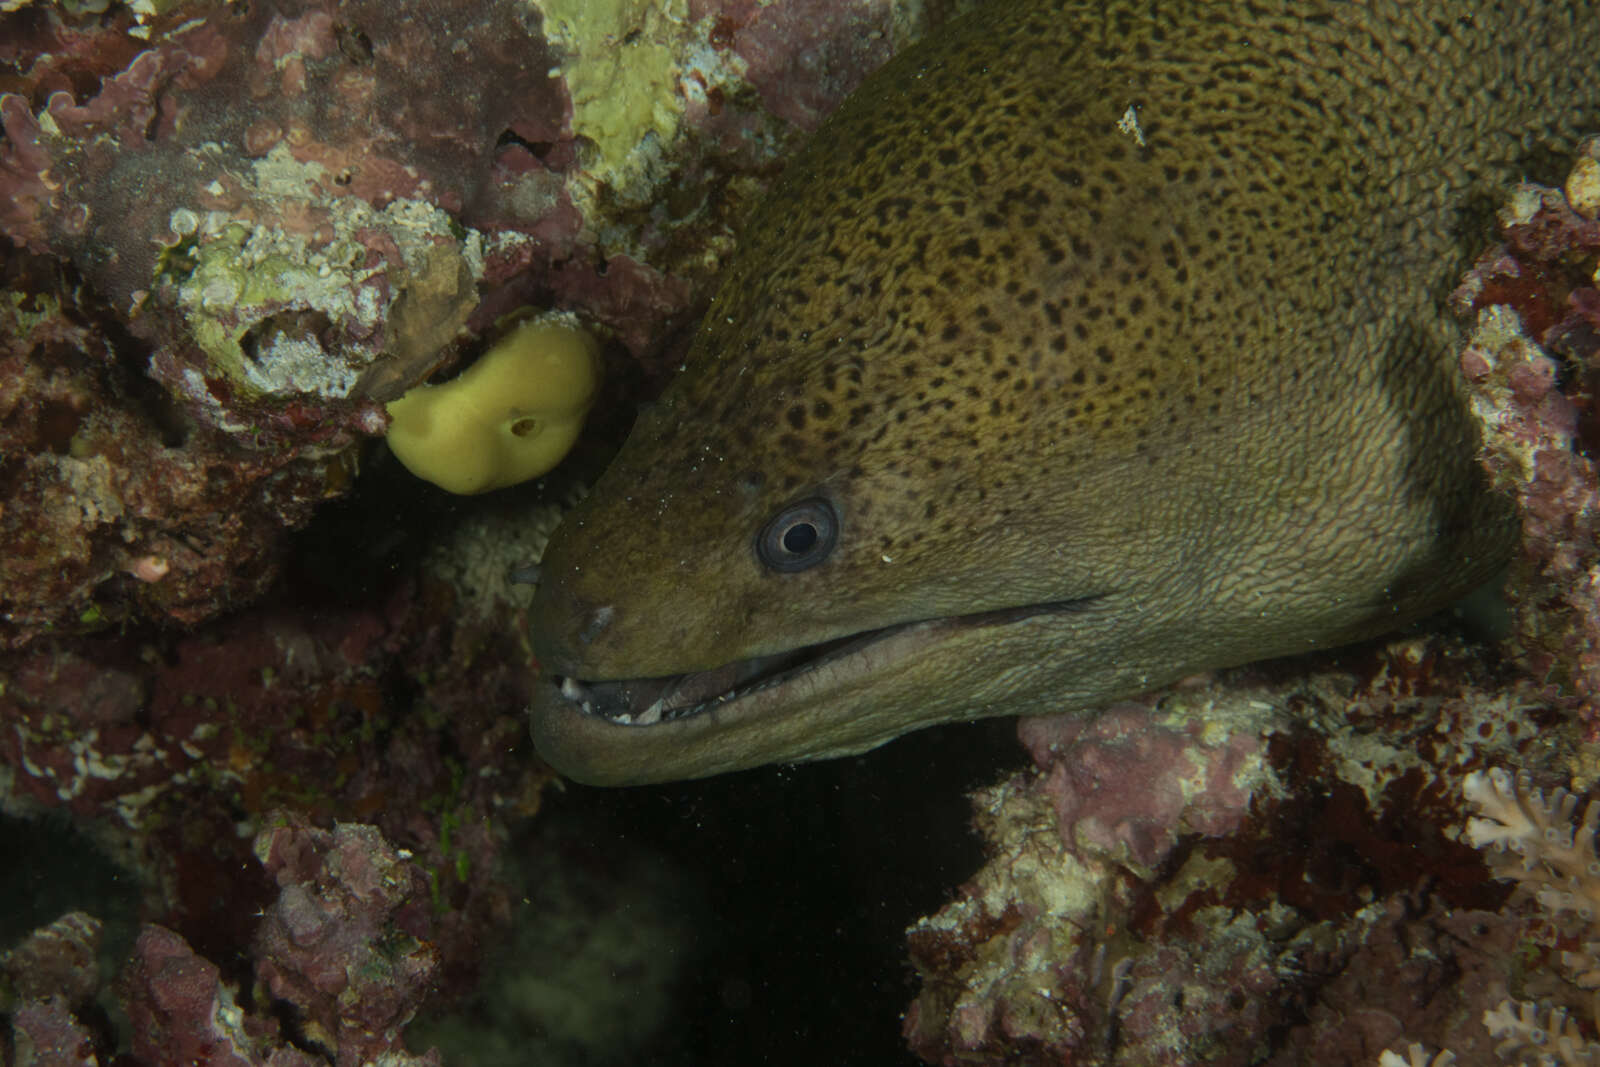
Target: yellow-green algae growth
(232,272)
(621,65)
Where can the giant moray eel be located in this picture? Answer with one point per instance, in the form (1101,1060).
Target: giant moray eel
(1005,407)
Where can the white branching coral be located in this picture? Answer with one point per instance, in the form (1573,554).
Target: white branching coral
(1534,840)
(1555,855)
(1539,1035)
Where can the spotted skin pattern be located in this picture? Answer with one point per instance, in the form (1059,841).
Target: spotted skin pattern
(1195,395)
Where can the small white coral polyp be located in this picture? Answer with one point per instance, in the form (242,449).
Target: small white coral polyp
(1417,1056)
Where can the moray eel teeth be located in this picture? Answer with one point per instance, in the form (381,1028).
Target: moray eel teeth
(741,687)
(631,731)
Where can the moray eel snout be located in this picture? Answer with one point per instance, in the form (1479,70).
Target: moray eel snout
(769,705)
(1010,403)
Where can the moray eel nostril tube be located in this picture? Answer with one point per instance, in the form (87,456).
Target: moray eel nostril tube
(1087,346)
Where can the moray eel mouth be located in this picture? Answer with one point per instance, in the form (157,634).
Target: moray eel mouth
(586,724)
(650,701)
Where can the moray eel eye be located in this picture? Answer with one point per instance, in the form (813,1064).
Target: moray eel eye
(802,535)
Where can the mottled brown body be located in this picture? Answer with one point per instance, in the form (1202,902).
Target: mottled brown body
(1194,378)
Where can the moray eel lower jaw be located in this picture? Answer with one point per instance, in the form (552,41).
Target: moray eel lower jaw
(836,698)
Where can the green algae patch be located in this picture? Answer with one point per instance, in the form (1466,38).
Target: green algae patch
(21,314)
(621,69)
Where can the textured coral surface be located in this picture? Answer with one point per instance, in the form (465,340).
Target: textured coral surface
(1276,886)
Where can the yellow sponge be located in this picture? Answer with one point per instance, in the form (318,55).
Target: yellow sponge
(509,417)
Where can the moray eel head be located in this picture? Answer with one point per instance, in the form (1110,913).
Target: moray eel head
(1006,406)
(803,593)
